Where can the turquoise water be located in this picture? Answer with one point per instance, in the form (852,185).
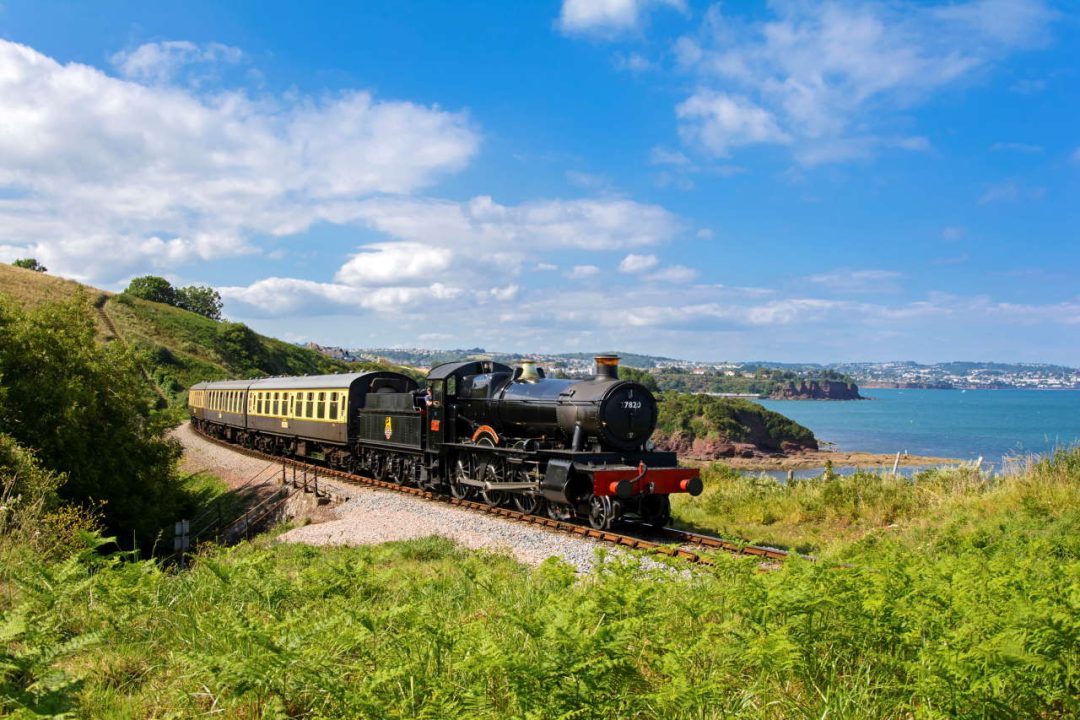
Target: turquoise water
(944,423)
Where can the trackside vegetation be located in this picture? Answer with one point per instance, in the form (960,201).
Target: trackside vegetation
(972,614)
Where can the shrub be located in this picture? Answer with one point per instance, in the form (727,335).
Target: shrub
(85,410)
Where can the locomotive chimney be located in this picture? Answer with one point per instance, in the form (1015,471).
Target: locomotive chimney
(528,371)
(607,366)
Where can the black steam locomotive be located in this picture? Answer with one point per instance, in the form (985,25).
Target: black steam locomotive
(479,429)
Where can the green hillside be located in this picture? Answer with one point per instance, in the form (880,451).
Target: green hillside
(178,347)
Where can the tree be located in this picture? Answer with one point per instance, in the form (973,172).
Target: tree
(153,288)
(240,347)
(85,411)
(200,299)
(30,264)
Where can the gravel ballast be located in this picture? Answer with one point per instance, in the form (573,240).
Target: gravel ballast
(372,515)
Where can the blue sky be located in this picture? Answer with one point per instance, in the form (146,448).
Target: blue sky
(789,180)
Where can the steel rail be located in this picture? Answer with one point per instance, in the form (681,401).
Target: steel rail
(671,536)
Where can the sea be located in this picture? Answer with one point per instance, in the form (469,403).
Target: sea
(999,426)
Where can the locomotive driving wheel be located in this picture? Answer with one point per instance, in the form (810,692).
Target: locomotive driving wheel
(459,489)
(524,501)
(602,512)
(489,472)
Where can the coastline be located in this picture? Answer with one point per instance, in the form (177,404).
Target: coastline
(811,459)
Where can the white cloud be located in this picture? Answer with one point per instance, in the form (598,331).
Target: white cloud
(953,233)
(824,76)
(161,62)
(675,274)
(394,264)
(663,156)
(583,271)
(720,121)
(609,18)
(633,62)
(531,227)
(638,263)
(858,281)
(278,296)
(1017,147)
(1010,191)
(103,175)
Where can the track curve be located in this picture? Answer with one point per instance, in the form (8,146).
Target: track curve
(670,542)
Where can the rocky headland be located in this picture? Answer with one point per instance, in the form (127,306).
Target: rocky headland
(817,390)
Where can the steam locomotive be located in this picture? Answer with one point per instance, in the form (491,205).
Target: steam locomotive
(479,429)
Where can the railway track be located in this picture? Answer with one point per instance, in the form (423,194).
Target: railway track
(661,541)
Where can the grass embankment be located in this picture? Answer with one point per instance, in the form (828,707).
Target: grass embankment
(832,513)
(970,608)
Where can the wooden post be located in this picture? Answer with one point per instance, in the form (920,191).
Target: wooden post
(896,463)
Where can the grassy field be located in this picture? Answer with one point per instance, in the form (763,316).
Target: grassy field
(960,598)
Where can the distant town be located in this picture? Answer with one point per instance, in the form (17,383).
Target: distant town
(901,374)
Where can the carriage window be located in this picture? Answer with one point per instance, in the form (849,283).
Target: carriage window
(333,406)
(320,408)
(310,410)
